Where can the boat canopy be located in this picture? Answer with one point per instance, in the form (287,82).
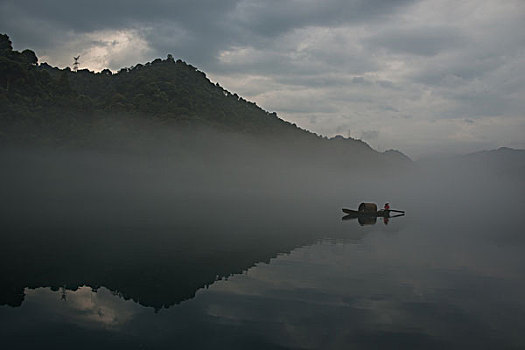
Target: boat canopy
(368,208)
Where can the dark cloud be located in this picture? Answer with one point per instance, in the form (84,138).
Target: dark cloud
(196,28)
(273,17)
(321,64)
(85,16)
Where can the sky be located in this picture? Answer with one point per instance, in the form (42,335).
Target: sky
(426,77)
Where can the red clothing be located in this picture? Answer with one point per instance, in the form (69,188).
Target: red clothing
(387,207)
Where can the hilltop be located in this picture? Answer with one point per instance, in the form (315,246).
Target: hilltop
(46,105)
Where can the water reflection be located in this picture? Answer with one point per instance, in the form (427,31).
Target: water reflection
(297,277)
(156,267)
(332,294)
(84,306)
(365,220)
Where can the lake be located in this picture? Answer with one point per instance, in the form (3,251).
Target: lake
(86,268)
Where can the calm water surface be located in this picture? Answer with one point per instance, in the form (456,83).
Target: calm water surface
(449,274)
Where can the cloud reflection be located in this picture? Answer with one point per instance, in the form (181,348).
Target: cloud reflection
(84,306)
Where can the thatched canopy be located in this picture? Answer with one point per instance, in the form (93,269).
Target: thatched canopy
(368,208)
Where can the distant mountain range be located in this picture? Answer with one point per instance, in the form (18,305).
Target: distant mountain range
(502,162)
(505,154)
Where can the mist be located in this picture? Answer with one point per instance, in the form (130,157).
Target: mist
(162,176)
(164,216)
(162,163)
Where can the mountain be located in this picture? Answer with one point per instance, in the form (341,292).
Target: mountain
(502,155)
(501,170)
(503,161)
(46,105)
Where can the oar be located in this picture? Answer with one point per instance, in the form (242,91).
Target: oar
(397,211)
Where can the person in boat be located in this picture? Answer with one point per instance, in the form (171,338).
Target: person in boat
(386,207)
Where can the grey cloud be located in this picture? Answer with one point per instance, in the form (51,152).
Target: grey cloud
(369,135)
(320,81)
(457,71)
(272,17)
(342,128)
(99,14)
(317,80)
(425,41)
(207,25)
(386,84)
(304,106)
(390,109)
(476,105)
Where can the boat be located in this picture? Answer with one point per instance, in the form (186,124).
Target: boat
(370,209)
(367,214)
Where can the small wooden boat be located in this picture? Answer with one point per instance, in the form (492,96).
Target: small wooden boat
(370,209)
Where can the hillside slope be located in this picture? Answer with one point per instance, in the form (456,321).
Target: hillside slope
(46,105)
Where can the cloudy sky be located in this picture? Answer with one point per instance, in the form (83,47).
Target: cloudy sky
(422,76)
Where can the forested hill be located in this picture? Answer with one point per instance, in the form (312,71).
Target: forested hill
(40,102)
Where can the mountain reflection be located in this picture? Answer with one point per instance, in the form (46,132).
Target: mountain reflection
(325,295)
(157,267)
